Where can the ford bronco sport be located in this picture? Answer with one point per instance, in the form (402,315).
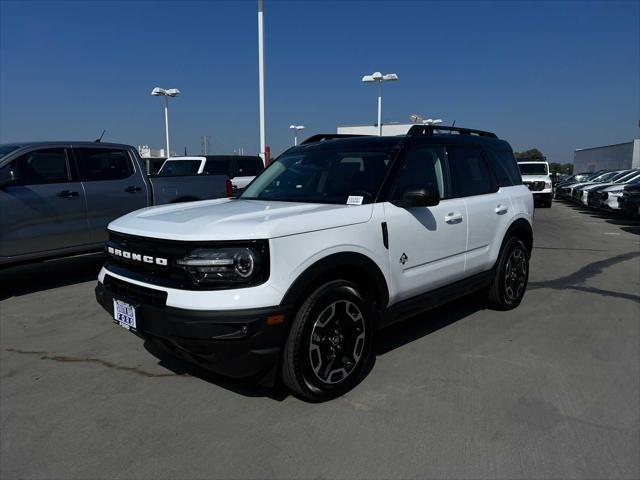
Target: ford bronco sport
(336,239)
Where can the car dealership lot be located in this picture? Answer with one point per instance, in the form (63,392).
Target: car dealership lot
(549,390)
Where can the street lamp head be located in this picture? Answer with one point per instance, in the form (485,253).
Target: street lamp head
(292,127)
(296,127)
(431,121)
(378,77)
(415,118)
(159,92)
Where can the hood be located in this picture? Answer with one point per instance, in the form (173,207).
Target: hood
(536,178)
(224,219)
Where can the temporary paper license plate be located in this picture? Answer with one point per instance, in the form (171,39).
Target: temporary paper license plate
(124,314)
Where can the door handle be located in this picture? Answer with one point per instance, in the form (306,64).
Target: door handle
(132,189)
(66,194)
(453,218)
(501,209)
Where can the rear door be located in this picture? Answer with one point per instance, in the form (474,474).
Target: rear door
(114,185)
(426,244)
(487,206)
(43,210)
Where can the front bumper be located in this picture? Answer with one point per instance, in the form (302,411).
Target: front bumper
(234,343)
(542,196)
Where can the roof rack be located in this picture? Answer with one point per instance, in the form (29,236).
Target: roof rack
(417,130)
(321,137)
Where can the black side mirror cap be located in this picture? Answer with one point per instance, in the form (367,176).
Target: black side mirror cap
(423,197)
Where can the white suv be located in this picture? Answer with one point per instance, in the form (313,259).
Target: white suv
(336,239)
(535,175)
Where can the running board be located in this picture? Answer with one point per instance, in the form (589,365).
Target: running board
(427,301)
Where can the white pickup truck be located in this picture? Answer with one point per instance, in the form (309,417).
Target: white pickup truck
(240,169)
(535,175)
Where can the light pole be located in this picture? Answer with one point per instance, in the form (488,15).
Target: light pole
(379,78)
(263,133)
(162,92)
(295,129)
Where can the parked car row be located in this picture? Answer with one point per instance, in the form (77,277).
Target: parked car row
(611,190)
(57,198)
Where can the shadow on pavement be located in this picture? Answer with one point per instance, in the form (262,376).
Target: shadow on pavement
(36,277)
(406,331)
(386,340)
(250,387)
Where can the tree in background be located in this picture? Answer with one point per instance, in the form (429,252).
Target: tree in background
(531,154)
(565,168)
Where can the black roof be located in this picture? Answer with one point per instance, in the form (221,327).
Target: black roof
(83,143)
(368,141)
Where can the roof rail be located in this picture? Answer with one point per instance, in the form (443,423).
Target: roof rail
(321,137)
(417,130)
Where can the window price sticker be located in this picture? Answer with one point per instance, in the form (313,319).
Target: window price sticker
(354,200)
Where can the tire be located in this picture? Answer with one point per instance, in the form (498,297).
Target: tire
(511,276)
(334,323)
(547,204)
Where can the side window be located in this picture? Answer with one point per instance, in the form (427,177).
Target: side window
(40,167)
(217,167)
(470,173)
(505,167)
(103,164)
(248,167)
(423,166)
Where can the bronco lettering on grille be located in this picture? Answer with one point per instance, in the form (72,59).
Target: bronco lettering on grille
(138,257)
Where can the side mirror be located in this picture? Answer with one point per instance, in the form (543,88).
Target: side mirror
(423,197)
(6,176)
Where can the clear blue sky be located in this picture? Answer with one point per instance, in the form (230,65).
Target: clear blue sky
(552,75)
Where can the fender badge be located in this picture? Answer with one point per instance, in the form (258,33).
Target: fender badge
(404,258)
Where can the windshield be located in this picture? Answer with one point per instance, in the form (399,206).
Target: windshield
(322,176)
(533,168)
(7,149)
(605,176)
(624,176)
(173,168)
(634,178)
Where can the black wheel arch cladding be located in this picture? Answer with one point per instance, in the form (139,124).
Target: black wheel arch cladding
(356,267)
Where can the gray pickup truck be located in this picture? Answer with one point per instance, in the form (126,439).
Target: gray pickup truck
(56,198)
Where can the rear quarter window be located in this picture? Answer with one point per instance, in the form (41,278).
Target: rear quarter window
(505,167)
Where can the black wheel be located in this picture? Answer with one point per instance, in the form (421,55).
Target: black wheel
(511,276)
(330,342)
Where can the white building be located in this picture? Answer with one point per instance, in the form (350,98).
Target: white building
(388,129)
(614,157)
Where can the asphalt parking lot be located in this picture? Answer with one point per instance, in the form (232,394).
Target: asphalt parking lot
(549,390)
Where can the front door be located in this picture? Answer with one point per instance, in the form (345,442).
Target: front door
(113,184)
(426,244)
(42,210)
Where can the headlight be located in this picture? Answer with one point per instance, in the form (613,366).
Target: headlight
(246,265)
(615,193)
(547,184)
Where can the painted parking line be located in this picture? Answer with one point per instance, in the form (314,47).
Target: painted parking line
(611,233)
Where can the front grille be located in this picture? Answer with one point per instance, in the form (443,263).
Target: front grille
(155,261)
(536,186)
(136,293)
